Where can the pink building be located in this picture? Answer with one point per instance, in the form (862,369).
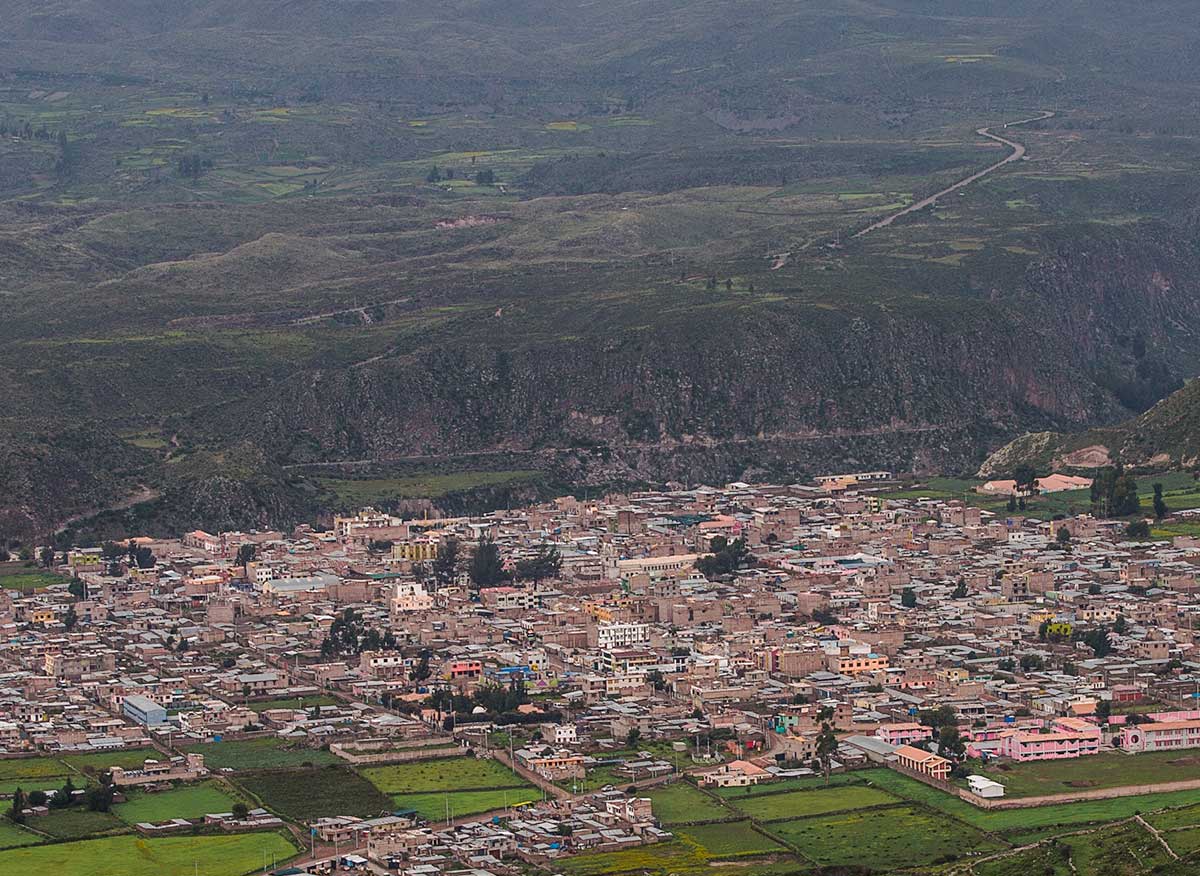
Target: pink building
(1161,736)
(1069,737)
(903,734)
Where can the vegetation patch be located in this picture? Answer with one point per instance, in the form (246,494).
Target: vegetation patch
(797,804)
(258,754)
(302,795)
(882,839)
(129,855)
(185,801)
(681,802)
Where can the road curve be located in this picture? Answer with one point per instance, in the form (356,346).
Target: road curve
(1018,152)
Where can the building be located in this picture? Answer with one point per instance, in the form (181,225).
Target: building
(903,734)
(610,636)
(982,786)
(924,762)
(144,711)
(1160,736)
(1068,737)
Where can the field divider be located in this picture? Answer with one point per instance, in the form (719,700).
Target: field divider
(893,805)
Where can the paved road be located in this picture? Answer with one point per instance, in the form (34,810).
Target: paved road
(1018,152)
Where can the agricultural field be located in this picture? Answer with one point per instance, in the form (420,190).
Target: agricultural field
(260,754)
(729,840)
(682,802)
(293,703)
(1105,770)
(18,576)
(437,805)
(98,762)
(77,823)
(12,835)
(1020,822)
(185,801)
(805,783)
(130,855)
(33,774)
(681,857)
(301,795)
(798,804)
(442,774)
(882,838)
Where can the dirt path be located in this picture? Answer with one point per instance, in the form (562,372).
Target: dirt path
(1158,836)
(1018,152)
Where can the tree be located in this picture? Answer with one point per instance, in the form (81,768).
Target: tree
(434,175)
(1012,504)
(547,563)
(1025,477)
(246,554)
(632,737)
(1114,493)
(485,177)
(826,747)
(17,813)
(1094,588)
(47,557)
(1160,505)
(655,678)
(1120,625)
(726,558)
(1032,663)
(1104,710)
(445,565)
(487,569)
(908,598)
(951,744)
(1064,536)
(240,811)
(64,796)
(1138,529)
(77,588)
(960,590)
(70,619)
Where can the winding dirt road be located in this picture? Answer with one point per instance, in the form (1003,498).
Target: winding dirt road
(1018,152)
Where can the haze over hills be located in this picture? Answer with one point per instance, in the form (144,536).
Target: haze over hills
(573,244)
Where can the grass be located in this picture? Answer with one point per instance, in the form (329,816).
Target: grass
(185,801)
(443,774)
(32,774)
(302,795)
(294,703)
(259,754)
(129,855)
(94,764)
(729,840)
(805,803)
(77,823)
(435,805)
(906,836)
(681,802)
(1106,770)
(797,784)
(12,835)
(18,576)
(682,857)
(1086,812)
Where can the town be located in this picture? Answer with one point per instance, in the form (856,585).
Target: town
(842,673)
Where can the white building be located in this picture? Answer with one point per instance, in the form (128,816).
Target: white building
(610,636)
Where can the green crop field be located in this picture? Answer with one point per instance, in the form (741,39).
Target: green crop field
(798,784)
(683,802)
(442,774)
(682,857)
(729,840)
(904,836)
(260,754)
(33,773)
(302,795)
(185,801)
(797,804)
(12,835)
(99,762)
(18,576)
(294,703)
(76,823)
(130,855)
(1106,770)
(1022,820)
(434,806)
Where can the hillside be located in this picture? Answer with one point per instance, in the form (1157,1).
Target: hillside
(1165,437)
(276,251)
